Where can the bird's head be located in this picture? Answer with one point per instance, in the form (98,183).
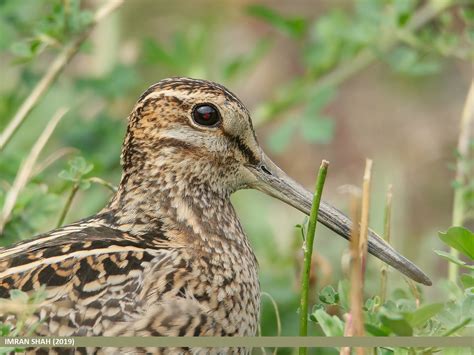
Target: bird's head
(196,128)
(196,133)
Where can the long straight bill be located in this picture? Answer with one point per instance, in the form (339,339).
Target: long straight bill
(271,180)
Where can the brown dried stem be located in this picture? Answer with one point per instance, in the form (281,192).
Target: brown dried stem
(353,324)
(354,264)
(358,248)
(56,67)
(364,223)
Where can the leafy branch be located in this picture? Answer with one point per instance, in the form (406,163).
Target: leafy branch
(56,67)
(303,88)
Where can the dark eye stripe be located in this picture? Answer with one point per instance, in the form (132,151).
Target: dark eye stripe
(206,115)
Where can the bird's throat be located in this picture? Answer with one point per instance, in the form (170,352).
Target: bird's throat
(185,212)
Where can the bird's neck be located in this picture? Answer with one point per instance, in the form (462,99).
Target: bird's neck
(184,212)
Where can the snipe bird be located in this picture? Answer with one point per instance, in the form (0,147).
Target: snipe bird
(168,256)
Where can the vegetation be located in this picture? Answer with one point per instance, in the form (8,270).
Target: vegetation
(71,73)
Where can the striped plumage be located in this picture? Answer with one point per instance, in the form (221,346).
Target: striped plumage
(167,255)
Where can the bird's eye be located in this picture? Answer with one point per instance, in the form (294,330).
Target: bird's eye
(206,115)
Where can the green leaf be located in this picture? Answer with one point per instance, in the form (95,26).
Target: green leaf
(467,280)
(328,295)
(5,329)
(395,322)
(423,314)
(467,14)
(294,26)
(78,167)
(407,61)
(66,175)
(331,325)
(375,331)
(453,259)
(460,239)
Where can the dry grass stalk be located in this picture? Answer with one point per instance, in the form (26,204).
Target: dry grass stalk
(364,222)
(414,291)
(26,169)
(51,159)
(56,67)
(358,247)
(347,333)
(354,320)
(356,296)
(358,318)
(386,236)
(103,182)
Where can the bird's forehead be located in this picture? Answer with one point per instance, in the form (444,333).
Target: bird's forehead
(194,90)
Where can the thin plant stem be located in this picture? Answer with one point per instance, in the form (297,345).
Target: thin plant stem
(386,236)
(462,168)
(25,171)
(67,206)
(103,182)
(56,67)
(347,333)
(277,316)
(356,271)
(364,231)
(259,332)
(414,291)
(308,251)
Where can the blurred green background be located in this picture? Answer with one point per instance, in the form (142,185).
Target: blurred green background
(337,80)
